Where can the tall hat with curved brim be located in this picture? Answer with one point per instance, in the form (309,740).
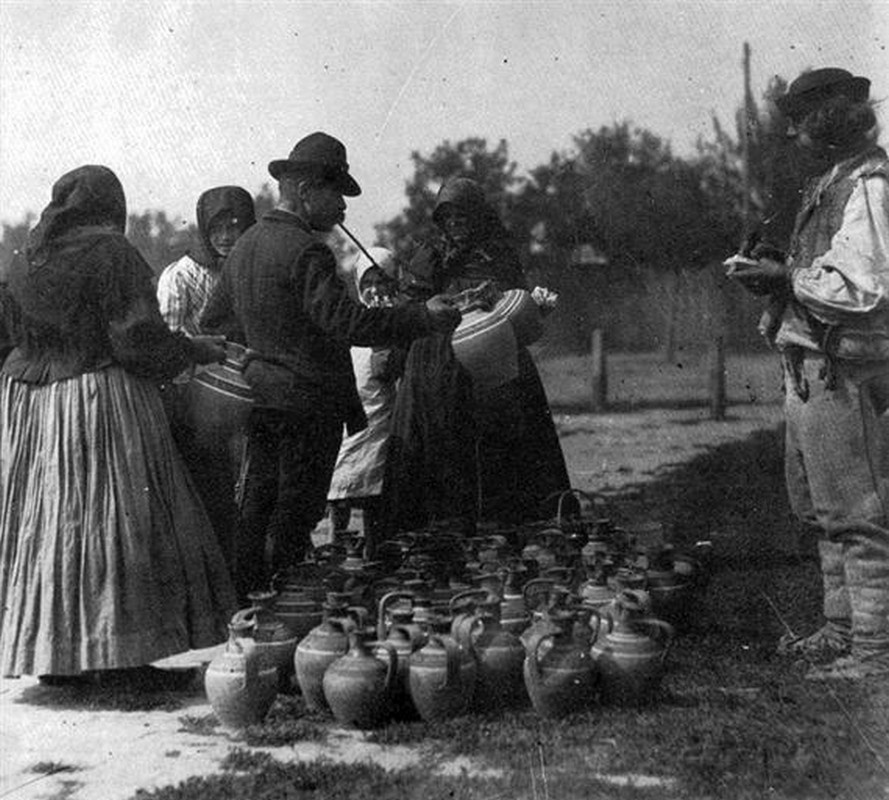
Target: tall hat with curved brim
(812,88)
(318,154)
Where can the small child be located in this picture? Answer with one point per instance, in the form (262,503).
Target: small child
(358,476)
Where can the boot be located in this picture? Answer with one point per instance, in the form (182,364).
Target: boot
(866,570)
(834,638)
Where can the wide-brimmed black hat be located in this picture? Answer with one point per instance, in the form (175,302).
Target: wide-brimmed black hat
(322,155)
(812,88)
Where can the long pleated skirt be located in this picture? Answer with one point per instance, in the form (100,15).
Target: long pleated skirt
(107,557)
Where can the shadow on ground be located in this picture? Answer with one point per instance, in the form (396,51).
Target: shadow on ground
(732,494)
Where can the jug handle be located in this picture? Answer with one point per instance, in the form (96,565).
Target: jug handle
(548,582)
(594,614)
(345,625)
(398,594)
(531,657)
(463,630)
(607,620)
(391,662)
(452,652)
(245,617)
(666,633)
(479,594)
(244,644)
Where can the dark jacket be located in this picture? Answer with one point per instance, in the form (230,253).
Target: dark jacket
(90,305)
(280,288)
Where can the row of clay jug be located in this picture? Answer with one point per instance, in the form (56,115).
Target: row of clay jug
(366,676)
(564,661)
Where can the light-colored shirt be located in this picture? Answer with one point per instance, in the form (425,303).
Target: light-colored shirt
(183,291)
(852,277)
(846,288)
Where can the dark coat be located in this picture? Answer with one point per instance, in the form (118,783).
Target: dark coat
(280,287)
(81,297)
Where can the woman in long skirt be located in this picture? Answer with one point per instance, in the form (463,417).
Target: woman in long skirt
(107,558)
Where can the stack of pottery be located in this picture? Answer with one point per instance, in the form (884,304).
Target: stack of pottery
(240,682)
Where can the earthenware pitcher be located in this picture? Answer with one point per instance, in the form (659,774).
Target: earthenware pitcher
(241,684)
(323,645)
(498,653)
(631,650)
(274,640)
(561,679)
(358,685)
(441,677)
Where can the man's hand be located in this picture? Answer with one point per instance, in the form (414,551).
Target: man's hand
(444,314)
(760,276)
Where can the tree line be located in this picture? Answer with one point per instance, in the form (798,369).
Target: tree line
(626,230)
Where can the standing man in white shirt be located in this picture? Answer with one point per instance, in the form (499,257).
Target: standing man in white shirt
(831,325)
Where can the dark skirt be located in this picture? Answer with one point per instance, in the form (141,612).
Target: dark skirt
(453,456)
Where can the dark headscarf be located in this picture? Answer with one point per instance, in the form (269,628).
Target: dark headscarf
(487,253)
(467,197)
(219,200)
(79,273)
(88,196)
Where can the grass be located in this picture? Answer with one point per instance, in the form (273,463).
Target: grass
(733,720)
(645,380)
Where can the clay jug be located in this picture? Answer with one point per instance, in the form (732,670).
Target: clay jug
(392,606)
(514,616)
(441,678)
(323,645)
(631,650)
(298,604)
(405,639)
(595,593)
(240,683)
(560,679)
(543,598)
(358,685)
(499,655)
(669,593)
(274,640)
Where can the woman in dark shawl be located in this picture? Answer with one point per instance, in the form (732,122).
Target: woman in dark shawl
(107,558)
(458,453)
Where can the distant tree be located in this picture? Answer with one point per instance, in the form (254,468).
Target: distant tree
(469,158)
(264,200)
(14,239)
(155,237)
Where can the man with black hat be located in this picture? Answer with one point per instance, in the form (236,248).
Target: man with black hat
(832,329)
(280,292)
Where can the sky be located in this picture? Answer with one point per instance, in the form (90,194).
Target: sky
(178,97)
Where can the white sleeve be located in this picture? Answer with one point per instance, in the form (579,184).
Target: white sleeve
(852,277)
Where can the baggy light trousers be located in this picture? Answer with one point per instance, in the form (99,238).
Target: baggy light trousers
(837,473)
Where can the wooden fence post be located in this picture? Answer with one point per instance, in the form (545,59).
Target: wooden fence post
(717,378)
(599,399)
